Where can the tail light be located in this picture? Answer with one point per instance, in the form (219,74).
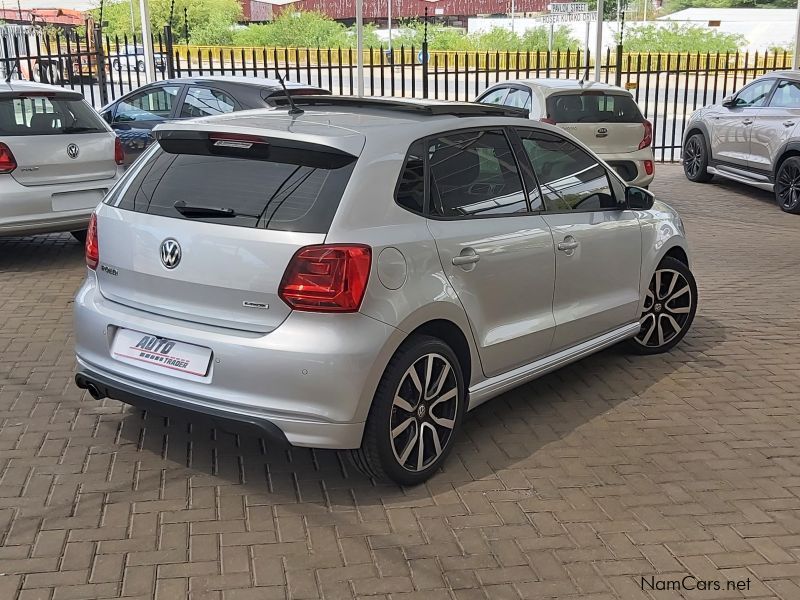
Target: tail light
(327,278)
(647,140)
(548,120)
(7,161)
(119,152)
(649,167)
(92,244)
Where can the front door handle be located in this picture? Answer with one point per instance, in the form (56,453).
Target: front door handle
(568,245)
(788,123)
(468,256)
(747,122)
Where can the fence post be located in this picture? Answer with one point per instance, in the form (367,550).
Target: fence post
(101,63)
(425,57)
(170,55)
(618,66)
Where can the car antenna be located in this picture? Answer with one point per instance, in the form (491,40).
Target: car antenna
(293,108)
(585,75)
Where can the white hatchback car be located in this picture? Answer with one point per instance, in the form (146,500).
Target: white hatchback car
(604,117)
(58,159)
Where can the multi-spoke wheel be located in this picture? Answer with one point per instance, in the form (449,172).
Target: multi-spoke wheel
(695,159)
(669,307)
(415,414)
(787,185)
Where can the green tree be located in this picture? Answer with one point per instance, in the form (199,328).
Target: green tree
(203,15)
(680,38)
(495,39)
(303,30)
(675,5)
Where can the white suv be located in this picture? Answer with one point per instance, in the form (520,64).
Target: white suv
(58,159)
(602,116)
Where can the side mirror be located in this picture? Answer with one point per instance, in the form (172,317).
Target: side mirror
(639,198)
(729,101)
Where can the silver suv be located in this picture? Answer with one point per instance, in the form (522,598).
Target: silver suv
(361,275)
(752,137)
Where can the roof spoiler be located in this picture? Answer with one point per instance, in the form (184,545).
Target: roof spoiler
(420,107)
(40,93)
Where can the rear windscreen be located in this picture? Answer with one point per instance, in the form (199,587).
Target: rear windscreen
(39,115)
(593,107)
(286,189)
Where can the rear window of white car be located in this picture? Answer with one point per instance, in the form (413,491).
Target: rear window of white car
(40,115)
(273,187)
(593,107)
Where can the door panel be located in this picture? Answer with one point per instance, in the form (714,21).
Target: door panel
(731,126)
(775,125)
(598,243)
(496,254)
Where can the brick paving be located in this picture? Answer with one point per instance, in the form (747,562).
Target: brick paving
(574,486)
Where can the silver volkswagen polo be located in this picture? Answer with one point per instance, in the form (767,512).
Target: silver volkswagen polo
(360,275)
(58,159)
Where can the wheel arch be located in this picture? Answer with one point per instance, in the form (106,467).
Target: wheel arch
(450,334)
(789,150)
(678,253)
(694,128)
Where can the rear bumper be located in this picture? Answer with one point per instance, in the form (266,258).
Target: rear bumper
(631,166)
(310,381)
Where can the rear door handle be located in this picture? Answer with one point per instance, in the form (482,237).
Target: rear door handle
(788,123)
(568,245)
(747,122)
(468,256)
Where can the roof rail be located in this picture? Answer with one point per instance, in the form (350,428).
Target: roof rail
(421,107)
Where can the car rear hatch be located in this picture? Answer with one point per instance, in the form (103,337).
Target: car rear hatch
(56,138)
(203,227)
(609,122)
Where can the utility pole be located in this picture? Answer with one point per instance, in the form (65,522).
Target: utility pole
(360,46)
(796,55)
(186,24)
(598,42)
(389,25)
(147,42)
(513,13)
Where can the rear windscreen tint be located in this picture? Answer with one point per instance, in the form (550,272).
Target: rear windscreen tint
(40,115)
(286,190)
(593,107)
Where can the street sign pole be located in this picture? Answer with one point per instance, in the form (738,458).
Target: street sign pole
(147,42)
(598,42)
(796,55)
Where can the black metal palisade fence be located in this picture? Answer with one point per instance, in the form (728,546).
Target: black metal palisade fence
(667,86)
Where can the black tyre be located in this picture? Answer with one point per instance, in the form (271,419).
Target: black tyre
(695,159)
(669,309)
(79,235)
(787,185)
(115,64)
(415,415)
(140,66)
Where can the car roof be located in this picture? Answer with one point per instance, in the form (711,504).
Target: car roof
(551,85)
(786,74)
(238,80)
(17,86)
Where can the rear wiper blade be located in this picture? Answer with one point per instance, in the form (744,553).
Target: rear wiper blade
(187,210)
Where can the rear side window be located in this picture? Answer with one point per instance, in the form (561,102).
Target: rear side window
(204,102)
(593,107)
(285,189)
(47,116)
(411,187)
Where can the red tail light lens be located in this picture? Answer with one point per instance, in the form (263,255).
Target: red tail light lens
(647,140)
(7,161)
(649,167)
(119,152)
(328,278)
(92,244)
(548,120)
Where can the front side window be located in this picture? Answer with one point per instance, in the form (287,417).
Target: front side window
(496,96)
(755,94)
(150,105)
(571,179)
(203,102)
(474,174)
(787,95)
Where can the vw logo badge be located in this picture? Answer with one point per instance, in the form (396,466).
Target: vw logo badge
(170,253)
(73,150)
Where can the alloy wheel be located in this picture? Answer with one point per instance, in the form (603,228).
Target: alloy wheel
(424,412)
(788,186)
(693,157)
(667,309)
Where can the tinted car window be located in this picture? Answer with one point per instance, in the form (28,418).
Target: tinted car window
(755,94)
(592,107)
(203,102)
(150,105)
(474,173)
(411,187)
(47,116)
(518,98)
(496,96)
(570,178)
(285,189)
(787,95)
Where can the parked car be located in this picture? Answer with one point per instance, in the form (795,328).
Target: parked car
(134,115)
(752,137)
(604,117)
(360,275)
(131,58)
(57,159)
